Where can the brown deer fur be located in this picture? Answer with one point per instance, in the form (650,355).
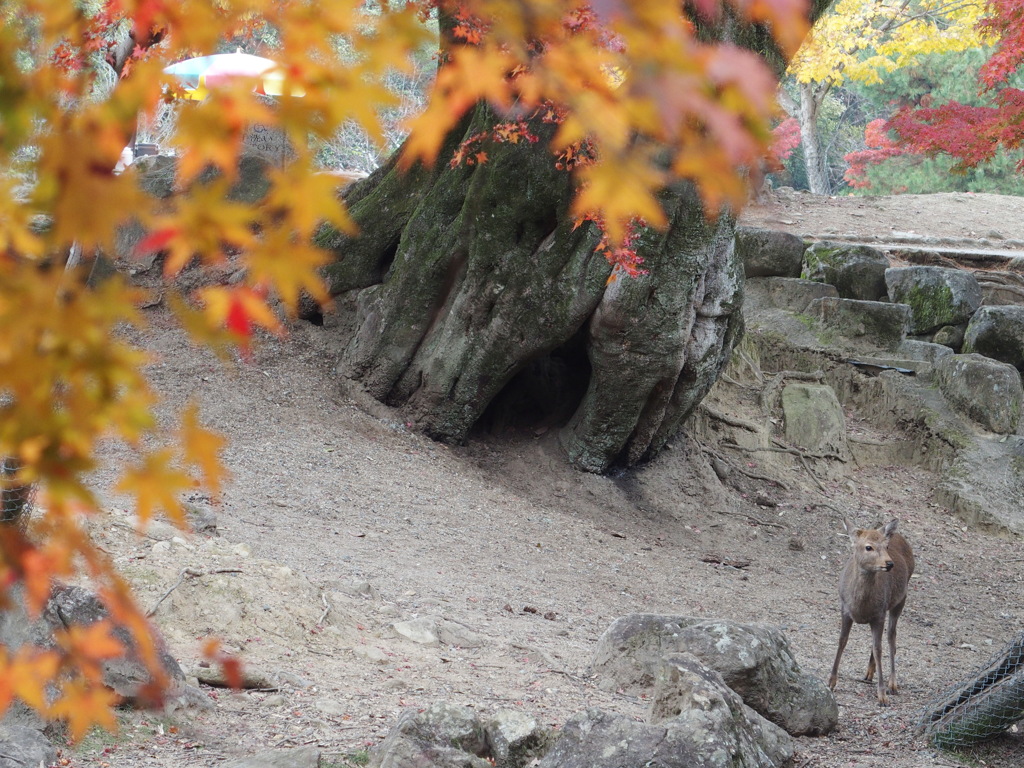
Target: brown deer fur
(873,584)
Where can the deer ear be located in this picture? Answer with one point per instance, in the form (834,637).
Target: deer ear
(890,528)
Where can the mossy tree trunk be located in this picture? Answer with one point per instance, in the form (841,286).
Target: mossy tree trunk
(475,288)
(481,302)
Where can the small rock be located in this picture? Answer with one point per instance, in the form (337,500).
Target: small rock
(422,631)
(371,653)
(242,550)
(796,544)
(331,707)
(202,517)
(161,531)
(161,547)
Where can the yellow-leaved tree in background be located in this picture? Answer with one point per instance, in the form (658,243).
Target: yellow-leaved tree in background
(856,40)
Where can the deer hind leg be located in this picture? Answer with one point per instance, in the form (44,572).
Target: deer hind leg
(894,616)
(844,635)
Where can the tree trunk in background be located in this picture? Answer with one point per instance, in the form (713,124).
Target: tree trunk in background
(812,95)
(481,302)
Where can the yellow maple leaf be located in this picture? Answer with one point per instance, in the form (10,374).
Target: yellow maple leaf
(202,448)
(156,485)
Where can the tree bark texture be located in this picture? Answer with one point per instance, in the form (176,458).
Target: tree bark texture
(812,96)
(472,282)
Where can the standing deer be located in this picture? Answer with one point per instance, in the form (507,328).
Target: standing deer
(873,583)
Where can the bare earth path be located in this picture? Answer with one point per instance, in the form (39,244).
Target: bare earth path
(339,522)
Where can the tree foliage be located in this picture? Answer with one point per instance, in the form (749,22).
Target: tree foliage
(884,165)
(860,41)
(638,96)
(974,138)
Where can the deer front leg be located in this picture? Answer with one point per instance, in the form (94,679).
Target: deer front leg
(844,635)
(894,616)
(877,625)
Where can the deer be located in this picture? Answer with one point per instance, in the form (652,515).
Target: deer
(873,584)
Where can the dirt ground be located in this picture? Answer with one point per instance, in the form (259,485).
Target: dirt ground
(953,215)
(340,522)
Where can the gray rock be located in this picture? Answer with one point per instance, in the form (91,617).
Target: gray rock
(69,605)
(950,336)
(300,757)
(754,660)
(1000,295)
(515,738)
(24,747)
(857,271)
(696,722)
(937,296)
(202,517)
(814,418)
(997,332)
(689,691)
(441,736)
(453,634)
(872,322)
(422,631)
(788,293)
(923,350)
(629,652)
(987,391)
(769,253)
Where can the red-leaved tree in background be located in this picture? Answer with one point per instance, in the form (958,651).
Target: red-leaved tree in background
(972,135)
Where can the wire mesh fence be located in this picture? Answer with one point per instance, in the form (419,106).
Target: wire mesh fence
(982,706)
(15,499)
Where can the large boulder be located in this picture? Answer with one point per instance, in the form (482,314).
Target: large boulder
(754,660)
(128,676)
(448,736)
(769,253)
(937,296)
(22,745)
(997,332)
(857,271)
(987,391)
(441,736)
(875,323)
(515,738)
(23,734)
(696,721)
(814,418)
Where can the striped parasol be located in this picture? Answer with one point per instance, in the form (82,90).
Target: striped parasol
(200,74)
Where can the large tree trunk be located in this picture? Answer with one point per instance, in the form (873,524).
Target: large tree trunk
(482,303)
(812,96)
(476,288)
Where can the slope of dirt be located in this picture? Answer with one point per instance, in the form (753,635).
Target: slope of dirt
(339,522)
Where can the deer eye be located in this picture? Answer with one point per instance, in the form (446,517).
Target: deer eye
(869,548)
